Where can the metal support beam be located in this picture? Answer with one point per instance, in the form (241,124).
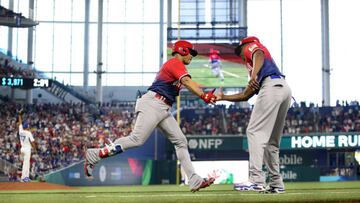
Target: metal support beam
(99,71)
(242,13)
(161,40)
(86,45)
(325,52)
(10,33)
(29,92)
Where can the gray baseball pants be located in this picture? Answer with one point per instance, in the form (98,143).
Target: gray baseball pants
(265,128)
(151,113)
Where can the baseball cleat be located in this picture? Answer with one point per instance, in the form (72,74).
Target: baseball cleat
(275,190)
(26,179)
(88,170)
(249,186)
(205,183)
(110,150)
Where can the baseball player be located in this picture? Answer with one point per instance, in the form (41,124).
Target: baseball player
(26,141)
(267,117)
(215,64)
(153,110)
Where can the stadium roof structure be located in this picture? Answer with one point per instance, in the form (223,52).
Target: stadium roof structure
(17,21)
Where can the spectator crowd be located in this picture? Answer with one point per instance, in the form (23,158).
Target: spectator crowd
(62,132)
(9,69)
(301,119)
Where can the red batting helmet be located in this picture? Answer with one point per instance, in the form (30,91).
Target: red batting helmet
(214,51)
(249,39)
(184,48)
(245,41)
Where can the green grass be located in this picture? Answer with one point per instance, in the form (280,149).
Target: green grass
(295,192)
(235,74)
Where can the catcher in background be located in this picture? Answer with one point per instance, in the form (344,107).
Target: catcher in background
(267,118)
(215,64)
(26,141)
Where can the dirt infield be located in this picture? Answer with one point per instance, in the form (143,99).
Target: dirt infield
(33,186)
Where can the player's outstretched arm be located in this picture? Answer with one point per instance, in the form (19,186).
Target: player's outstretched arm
(193,87)
(242,96)
(20,113)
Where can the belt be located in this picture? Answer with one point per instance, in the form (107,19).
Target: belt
(162,98)
(275,76)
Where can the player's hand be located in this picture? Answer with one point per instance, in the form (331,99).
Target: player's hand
(254,84)
(220,95)
(209,97)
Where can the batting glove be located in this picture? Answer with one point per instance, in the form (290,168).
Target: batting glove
(208,97)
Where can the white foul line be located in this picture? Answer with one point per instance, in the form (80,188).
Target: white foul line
(135,195)
(232,74)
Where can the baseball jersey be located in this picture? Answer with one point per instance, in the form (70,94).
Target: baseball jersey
(214,58)
(25,137)
(167,81)
(269,67)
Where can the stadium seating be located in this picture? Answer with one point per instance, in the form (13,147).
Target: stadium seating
(63,131)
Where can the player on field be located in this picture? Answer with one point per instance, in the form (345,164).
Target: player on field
(215,64)
(153,110)
(268,115)
(26,141)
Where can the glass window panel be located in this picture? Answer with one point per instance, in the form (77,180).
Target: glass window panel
(92,47)
(151,45)
(152,11)
(78,7)
(267,29)
(44,10)
(62,47)
(297,40)
(4,31)
(343,22)
(114,79)
(114,11)
(134,48)
(92,79)
(134,11)
(4,3)
(43,44)
(20,44)
(133,79)
(63,10)
(21,7)
(114,49)
(77,47)
(94,11)
(77,79)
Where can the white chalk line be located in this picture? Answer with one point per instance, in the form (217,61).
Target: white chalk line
(135,195)
(231,74)
(226,72)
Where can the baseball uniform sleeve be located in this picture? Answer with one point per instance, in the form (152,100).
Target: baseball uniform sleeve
(250,50)
(178,71)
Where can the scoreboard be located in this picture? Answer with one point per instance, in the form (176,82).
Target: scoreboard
(25,83)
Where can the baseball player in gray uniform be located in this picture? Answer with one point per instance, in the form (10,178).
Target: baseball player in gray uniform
(153,110)
(268,115)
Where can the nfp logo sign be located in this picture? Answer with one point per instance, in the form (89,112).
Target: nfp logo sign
(325,141)
(206,143)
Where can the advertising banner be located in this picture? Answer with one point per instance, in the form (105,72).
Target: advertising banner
(224,172)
